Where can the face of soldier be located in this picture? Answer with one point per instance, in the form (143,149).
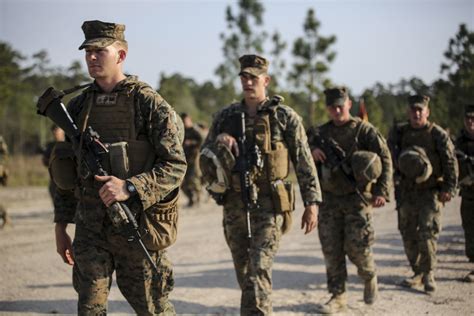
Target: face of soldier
(254,87)
(418,116)
(469,125)
(340,114)
(104,63)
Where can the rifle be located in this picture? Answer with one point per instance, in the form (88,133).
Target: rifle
(88,147)
(246,161)
(336,158)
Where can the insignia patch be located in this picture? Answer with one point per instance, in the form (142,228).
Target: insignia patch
(106,99)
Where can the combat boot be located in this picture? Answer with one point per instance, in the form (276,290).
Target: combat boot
(371,290)
(337,304)
(429,282)
(413,281)
(469,278)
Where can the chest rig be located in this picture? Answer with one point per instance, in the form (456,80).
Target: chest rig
(423,138)
(113,116)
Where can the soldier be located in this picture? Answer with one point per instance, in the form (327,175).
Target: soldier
(274,134)
(6,221)
(465,154)
(193,139)
(144,137)
(424,157)
(58,136)
(356,174)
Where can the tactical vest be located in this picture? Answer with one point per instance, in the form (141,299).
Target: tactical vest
(264,131)
(334,181)
(423,137)
(466,172)
(112,116)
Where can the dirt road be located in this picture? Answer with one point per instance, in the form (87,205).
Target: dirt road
(33,279)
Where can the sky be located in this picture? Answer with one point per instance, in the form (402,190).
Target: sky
(377,40)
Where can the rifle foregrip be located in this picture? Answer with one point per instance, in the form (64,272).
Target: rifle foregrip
(118,215)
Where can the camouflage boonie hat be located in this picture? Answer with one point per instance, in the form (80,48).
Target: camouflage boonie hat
(414,163)
(336,96)
(418,100)
(253,64)
(102,34)
(469,110)
(366,166)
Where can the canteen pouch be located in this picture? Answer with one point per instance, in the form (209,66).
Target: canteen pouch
(118,159)
(62,166)
(283,196)
(158,224)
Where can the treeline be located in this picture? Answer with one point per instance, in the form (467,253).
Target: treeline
(23,79)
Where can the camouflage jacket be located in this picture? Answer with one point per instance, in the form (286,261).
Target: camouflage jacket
(442,156)
(465,144)
(157,122)
(368,139)
(287,127)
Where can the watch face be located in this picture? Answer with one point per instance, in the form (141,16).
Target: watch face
(131,188)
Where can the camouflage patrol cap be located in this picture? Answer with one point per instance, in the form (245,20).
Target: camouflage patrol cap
(336,96)
(469,110)
(418,100)
(253,64)
(102,34)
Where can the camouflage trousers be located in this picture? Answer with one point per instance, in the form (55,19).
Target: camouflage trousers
(467,216)
(345,227)
(253,258)
(420,225)
(98,254)
(191,185)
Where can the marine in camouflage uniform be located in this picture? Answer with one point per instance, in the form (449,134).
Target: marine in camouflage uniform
(3,180)
(422,194)
(345,221)
(278,132)
(121,109)
(465,151)
(58,135)
(193,139)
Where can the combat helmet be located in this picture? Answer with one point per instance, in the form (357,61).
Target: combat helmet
(216,162)
(366,166)
(414,164)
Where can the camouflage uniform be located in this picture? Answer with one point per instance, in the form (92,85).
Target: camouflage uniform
(3,178)
(253,258)
(345,223)
(135,113)
(192,180)
(45,159)
(465,144)
(420,208)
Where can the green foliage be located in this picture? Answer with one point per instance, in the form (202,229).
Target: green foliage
(313,55)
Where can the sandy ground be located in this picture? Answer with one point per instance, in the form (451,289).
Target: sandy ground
(33,279)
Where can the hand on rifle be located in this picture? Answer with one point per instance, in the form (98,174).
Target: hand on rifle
(230,142)
(318,155)
(113,190)
(378,201)
(444,197)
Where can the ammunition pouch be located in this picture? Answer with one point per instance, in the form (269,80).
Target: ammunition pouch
(278,165)
(158,224)
(62,166)
(283,197)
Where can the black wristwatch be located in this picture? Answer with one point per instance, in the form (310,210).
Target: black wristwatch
(130,188)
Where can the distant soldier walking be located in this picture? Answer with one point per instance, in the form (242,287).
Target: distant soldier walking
(251,144)
(193,138)
(465,154)
(3,179)
(424,157)
(356,175)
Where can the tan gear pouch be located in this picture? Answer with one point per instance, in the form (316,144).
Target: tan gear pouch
(158,224)
(277,162)
(283,196)
(62,166)
(118,159)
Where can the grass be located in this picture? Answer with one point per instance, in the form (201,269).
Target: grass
(27,171)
